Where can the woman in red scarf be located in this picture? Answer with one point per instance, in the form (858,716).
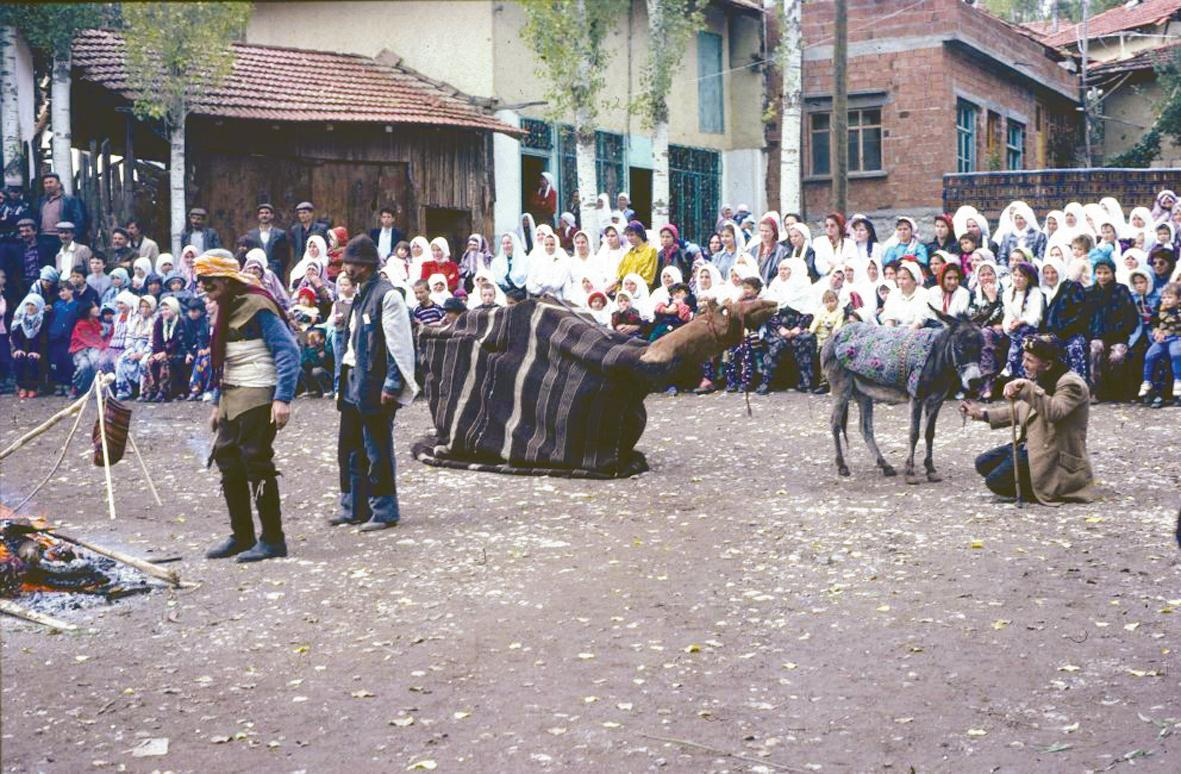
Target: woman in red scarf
(87,344)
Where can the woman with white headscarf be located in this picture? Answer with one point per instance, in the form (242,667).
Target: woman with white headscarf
(1053,224)
(1139,223)
(1131,260)
(549,269)
(669,276)
(611,250)
(256,264)
(140,269)
(786,334)
(420,253)
(733,245)
(584,263)
(437,288)
(711,286)
(1075,216)
(906,306)
(315,251)
(637,289)
(510,267)
(1018,228)
(799,245)
(968,220)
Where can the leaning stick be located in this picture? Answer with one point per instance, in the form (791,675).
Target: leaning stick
(57,463)
(172,577)
(1016,460)
(41,428)
(102,432)
(19,611)
(143,467)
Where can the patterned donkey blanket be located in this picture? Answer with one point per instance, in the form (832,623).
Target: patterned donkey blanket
(534,389)
(892,357)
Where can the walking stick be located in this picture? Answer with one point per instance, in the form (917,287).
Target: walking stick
(1016,466)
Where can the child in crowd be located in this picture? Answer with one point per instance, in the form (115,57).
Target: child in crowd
(452,309)
(626,319)
(828,322)
(87,343)
(316,365)
(487,297)
(427,312)
(745,358)
(61,328)
(83,293)
(97,279)
(129,368)
(176,286)
(165,365)
(671,314)
(305,311)
(1023,314)
(342,307)
(597,303)
(30,345)
(195,344)
(1165,342)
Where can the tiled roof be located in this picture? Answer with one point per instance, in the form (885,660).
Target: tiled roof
(1122,17)
(286,84)
(1147,59)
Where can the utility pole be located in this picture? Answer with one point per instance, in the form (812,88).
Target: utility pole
(1083,85)
(840,108)
(792,54)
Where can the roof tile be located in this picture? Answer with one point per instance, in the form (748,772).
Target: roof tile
(1122,17)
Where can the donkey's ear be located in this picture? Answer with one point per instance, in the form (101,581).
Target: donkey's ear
(946,319)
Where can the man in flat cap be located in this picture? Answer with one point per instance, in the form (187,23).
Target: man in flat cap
(71,253)
(255,368)
(198,234)
(272,241)
(1052,407)
(376,378)
(306,226)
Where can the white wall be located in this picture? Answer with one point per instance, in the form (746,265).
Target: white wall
(506,159)
(743,178)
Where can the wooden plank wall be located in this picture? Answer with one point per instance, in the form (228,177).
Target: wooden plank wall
(349,173)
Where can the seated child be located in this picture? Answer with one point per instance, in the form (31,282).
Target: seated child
(30,345)
(87,343)
(673,314)
(195,343)
(597,302)
(1165,341)
(305,311)
(828,322)
(165,365)
(315,365)
(745,359)
(427,312)
(487,297)
(625,319)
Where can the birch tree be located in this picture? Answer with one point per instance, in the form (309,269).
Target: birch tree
(10,141)
(567,37)
(49,29)
(671,25)
(791,60)
(178,52)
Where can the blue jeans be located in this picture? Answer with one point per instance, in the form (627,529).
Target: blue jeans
(1171,346)
(996,465)
(365,454)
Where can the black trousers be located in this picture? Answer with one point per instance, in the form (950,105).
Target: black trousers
(244,447)
(996,465)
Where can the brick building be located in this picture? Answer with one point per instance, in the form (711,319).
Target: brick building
(935,87)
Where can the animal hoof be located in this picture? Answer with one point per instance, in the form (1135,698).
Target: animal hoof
(933,477)
(911,478)
(843,470)
(888,471)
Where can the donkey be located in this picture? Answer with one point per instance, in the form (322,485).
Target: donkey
(895,365)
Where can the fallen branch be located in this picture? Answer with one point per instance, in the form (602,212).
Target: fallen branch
(19,611)
(41,428)
(57,463)
(171,577)
(720,751)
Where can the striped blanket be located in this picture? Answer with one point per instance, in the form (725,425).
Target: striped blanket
(892,357)
(534,388)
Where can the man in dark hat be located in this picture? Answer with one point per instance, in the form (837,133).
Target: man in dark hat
(255,369)
(1052,407)
(376,378)
(22,260)
(54,206)
(198,234)
(305,214)
(272,241)
(13,209)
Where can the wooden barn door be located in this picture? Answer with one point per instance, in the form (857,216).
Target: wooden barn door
(351,194)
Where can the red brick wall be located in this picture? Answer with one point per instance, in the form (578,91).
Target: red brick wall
(918,119)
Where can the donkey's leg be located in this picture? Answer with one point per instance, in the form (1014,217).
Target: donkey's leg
(933,406)
(916,415)
(865,404)
(842,386)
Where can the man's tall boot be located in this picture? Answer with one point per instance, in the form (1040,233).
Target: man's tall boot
(271,543)
(237,494)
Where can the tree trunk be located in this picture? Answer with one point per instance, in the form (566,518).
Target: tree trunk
(63,160)
(660,175)
(772,105)
(585,161)
(840,109)
(176,183)
(10,110)
(790,145)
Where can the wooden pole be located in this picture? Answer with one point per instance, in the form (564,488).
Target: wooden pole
(1016,457)
(57,463)
(19,611)
(102,432)
(169,576)
(840,108)
(41,428)
(143,467)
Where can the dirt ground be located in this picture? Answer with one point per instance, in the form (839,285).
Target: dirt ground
(738,608)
